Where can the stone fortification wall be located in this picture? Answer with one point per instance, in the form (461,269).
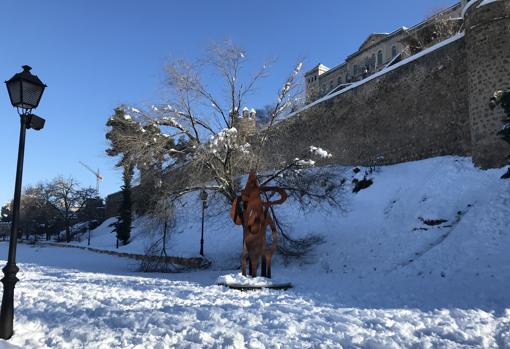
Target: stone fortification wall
(487,26)
(418,110)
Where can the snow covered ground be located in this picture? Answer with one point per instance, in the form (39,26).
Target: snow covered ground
(418,260)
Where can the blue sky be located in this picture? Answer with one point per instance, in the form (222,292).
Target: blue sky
(97,54)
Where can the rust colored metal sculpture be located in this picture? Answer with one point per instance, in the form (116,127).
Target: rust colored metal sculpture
(250,211)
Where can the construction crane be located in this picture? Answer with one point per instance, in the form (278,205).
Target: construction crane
(97,174)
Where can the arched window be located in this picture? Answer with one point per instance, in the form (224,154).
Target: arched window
(372,61)
(331,84)
(379,57)
(355,70)
(339,80)
(393,51)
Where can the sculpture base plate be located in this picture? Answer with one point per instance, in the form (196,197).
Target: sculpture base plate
(247,283)
(240,287)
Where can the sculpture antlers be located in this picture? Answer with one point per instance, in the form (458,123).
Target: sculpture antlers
(253,213)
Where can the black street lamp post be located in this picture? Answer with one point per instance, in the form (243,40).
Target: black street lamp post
(25,91)
(203,197)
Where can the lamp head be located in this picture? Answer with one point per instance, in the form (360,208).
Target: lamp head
(25,89)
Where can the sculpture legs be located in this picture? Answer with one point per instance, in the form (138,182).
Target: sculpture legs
(254,264)
(250,266)
(263,266)
(243,262)
(268,256)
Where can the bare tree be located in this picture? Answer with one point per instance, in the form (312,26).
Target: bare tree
(208,129)
(210,133)
(67,198)
(163,215)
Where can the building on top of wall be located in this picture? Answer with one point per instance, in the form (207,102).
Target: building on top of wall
(380,50)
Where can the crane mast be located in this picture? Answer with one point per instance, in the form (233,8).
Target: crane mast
(97,174)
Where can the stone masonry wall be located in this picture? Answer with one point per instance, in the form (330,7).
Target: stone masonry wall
(488,60)
(416,111)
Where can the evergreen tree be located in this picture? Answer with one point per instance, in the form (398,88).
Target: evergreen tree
(122,128)
(123,225)
(139,144)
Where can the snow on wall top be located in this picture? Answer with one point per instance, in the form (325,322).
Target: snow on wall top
(385,71)
(472,2)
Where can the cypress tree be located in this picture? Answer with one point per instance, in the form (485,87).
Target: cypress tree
(123,226)
(120,127)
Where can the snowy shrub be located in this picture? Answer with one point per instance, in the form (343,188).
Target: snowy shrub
(154,262)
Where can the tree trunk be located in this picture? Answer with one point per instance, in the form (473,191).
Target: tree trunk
(68,231)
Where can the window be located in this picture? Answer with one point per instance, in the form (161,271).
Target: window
(372,61)
(393,51)
(379,57)
(356,70)
(339,81)
(331,84)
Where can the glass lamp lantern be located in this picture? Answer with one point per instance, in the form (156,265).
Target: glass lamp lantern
(25,89)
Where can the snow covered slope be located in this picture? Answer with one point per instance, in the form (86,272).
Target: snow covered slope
(419,259)
(436,226)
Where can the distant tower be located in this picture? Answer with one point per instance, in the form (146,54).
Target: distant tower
(246,123)
(487,26)
(246,113)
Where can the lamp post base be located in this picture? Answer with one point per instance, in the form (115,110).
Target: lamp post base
(7,309)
